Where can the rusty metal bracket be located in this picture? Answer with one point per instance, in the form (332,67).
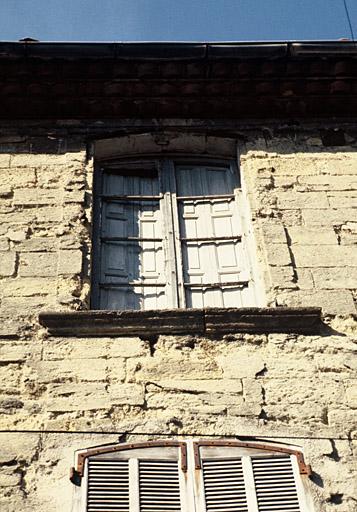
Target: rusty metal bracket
(305,469)
(78,471)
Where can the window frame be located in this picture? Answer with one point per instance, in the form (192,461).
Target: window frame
(167,162)
(190,457)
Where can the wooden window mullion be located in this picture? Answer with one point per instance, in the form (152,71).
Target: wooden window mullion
(166,182)
(177,239)
(249,484)
(134,492)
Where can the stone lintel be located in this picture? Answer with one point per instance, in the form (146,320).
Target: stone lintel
(183,321)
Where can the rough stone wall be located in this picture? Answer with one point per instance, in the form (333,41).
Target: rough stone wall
(57,394)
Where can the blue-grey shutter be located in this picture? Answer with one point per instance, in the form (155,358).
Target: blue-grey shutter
(211,231)
(132,262)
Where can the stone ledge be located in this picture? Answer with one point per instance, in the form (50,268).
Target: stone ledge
(183,321)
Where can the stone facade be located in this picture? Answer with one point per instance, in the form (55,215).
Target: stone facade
(62,394)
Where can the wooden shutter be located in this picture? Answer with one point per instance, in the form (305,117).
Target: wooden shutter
(214,263)
(224,487)
(132,259)
(275,484)
(250,483)
(159,486)
(139,479)
(210,476)
(108,486)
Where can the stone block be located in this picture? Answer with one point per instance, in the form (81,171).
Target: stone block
(343,420)
(14,353)
(28,287)
(278,255)
(311,236)
(237,365)
(92,402)
(37,244)
(4,161)
(9,478)
(19,178)
(291,217)
(126,394)
(17,235)
(245,410)
(252,391)
(32,160)
(282,277)
(49,214)
(329,217)
(343,199)
(332,278)
(7,264)
(5,191)
(38,264)
(4,244)
(338,166)
(74,196)
(37,196)
(337,302)
(76,348)
(327,182)
(75,369)
(326,256)
(285,182)
(17,447)
(70,262)
(304,200)
(351,393)
(127,347)
(304,279)
(287,166)
(274,233)
(229,386)
(176,366)
(75,389)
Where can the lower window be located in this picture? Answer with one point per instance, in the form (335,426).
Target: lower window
(205,476)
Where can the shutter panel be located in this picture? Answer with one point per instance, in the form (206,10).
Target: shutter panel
(131,247)
(159,486)
(216,257)
(224,487)
(275,484)
(108,486)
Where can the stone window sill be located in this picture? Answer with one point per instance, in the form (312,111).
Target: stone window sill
(208,321)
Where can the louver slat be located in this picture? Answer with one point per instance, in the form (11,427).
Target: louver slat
(108,486)
(275,484)
(159,486)
(224,486)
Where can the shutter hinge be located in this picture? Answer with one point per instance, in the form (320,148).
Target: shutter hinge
(75,477)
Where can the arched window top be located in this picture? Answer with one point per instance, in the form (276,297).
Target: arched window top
(165,142)
(150,448)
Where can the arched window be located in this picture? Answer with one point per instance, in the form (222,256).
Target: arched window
(201,476)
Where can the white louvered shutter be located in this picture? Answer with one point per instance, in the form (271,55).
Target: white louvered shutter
(211,232)
(133,485)
(275,484)
(251,484)
(224,487)
(108,486)
(159,486)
